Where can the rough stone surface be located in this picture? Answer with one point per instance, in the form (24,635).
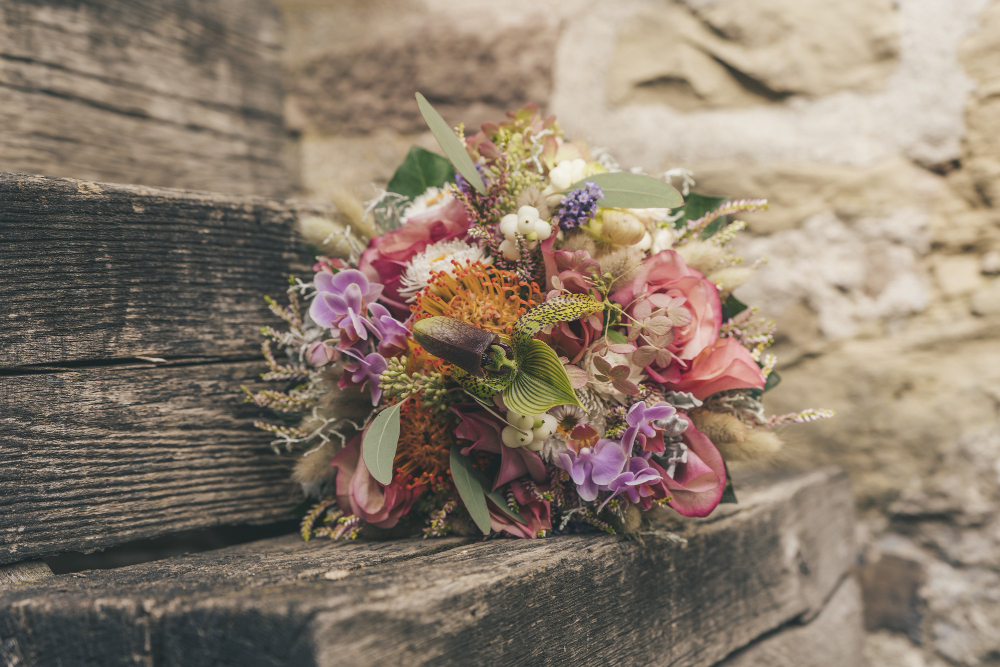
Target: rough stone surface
(872,127)
(717,58)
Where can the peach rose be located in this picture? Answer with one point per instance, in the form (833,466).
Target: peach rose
(724,365)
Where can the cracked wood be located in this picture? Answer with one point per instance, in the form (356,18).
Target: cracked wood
(592,599)
(96,271)
(160,92)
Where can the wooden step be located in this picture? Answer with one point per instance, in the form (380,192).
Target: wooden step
(754,584)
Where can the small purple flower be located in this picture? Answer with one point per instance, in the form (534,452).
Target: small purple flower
(342,301)
(591,469)
(364,369)
(632,482)
(579,206)
(648,423)
(392,334)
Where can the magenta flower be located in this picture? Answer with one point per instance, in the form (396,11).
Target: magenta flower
(342,302)
(647,424)
(390,332)
(633,482)
(364,369)
(591,469)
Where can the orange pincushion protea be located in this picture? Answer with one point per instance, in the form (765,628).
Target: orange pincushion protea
(422,455)
(479,294)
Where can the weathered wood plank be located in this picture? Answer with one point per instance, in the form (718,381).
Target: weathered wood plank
(834,638)
(95,457)
(159,92)
(92,271)
(579,600)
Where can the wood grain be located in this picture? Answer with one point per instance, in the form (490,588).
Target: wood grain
(95,457)
(92,271)
(577,600)
(160,92)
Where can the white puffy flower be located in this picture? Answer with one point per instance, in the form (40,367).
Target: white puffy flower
(662,239)
(437,257)
(432,198)
(567,172)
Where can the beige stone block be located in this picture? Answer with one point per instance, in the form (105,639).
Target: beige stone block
(986,301)
(957,274)
(734,54)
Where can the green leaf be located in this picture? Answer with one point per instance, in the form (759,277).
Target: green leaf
(541,382)
(450,144)
(470,488)
(625,190)
(616,337)
(733,307)
(420,170)
(379,446)
(696,205)
(501,504)
(772,381)
(728,493)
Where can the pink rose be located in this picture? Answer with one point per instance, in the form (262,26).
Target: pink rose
(365,497)
(724,365)
(535,511)
(385,258)
(665,281)
(697,482)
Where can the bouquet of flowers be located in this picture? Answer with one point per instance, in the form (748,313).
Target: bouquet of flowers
(532,342)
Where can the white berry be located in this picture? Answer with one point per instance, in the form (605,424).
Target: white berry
(514,438)
(535,445)
(509,250)
(546,428)
(508,226)
(525,422)
(543,229)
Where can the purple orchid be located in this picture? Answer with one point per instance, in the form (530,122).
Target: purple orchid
(342,301)
(364,369)
(591,469)
(647,424)
(392,334)
(633,482)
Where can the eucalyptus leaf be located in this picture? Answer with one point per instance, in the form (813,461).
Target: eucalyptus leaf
(450,144)
(501,504)
(625,190)
(470,488)
(379,445)
(420,170)
(541,382)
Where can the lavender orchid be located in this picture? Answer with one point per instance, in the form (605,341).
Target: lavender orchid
(633,481)
(647,423)
(366,368)
(392,334)
(342,302)
(591,469)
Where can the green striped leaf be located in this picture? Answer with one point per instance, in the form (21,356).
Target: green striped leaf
(470,488)
(450,144)
(625,190)
(379,446)
(541,382)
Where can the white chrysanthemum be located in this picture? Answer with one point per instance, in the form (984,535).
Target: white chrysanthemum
(432,198)
(437,257)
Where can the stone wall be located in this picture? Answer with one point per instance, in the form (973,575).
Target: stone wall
(872,126)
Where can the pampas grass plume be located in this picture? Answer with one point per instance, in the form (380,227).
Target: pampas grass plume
(701,255)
